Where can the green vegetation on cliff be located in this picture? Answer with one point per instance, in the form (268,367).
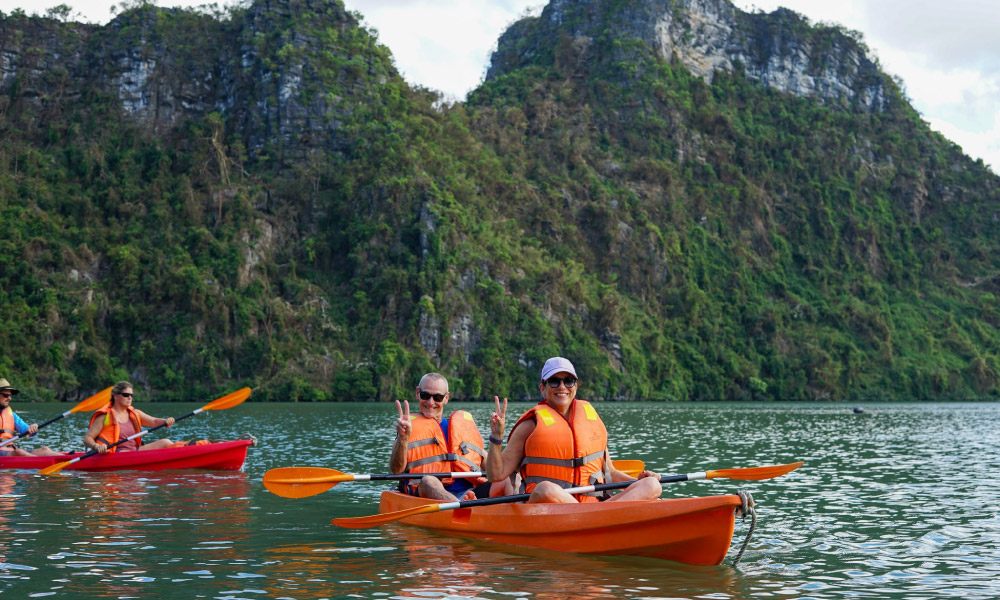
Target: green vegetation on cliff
(334,233)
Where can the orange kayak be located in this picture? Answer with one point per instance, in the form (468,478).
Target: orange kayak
(694,531)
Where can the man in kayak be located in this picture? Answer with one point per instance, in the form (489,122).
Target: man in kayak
(118,421)
(430,443)
(560,443)
(11,425)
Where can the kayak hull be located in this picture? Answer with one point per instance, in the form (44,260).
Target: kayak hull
(220,456)
(694,531)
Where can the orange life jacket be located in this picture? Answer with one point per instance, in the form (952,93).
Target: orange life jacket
(568,452)
(7,427)
(110,433)
(427,452)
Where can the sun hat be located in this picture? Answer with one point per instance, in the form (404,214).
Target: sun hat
(557,364)
(5,385)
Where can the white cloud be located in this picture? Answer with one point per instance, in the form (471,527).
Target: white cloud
(441,44)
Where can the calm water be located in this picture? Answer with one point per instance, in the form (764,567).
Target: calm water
(900,502)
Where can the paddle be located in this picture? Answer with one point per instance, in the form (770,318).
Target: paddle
(754,473)
(228,401)
(629,467)
(302,482)
(93,403)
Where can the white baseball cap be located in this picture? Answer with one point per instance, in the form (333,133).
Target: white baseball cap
(557,364)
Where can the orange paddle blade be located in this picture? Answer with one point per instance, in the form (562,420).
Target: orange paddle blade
(382,519)
(52,469)
(754,473)
(229,400)
(302,482)
(94,402)
(632,468)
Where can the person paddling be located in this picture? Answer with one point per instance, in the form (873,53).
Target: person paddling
(560,443)
(118,421)
(430,443)
(12,425)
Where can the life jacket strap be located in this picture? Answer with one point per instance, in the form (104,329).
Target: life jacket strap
(419,443)
(465,447)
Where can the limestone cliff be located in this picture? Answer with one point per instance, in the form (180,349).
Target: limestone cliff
(259,69)
(779,50)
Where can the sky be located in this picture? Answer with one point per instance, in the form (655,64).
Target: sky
(946,53)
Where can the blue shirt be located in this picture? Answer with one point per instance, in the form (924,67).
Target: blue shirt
(19,424)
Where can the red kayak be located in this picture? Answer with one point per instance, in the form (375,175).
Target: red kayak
(220,456)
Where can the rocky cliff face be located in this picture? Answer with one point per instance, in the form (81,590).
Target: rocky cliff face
(167,66)
(780,49)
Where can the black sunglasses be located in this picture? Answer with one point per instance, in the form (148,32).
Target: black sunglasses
(427,396)
(554,382)
(126,394)
(6,394)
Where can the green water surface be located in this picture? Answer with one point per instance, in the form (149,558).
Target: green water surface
(898,502)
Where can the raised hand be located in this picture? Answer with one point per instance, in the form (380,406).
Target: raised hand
(498,417)
(403,424)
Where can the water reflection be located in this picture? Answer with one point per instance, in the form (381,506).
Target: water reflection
(125,534)
(422,564)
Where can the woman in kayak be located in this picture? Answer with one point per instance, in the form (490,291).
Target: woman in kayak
(118,421)
(560,443)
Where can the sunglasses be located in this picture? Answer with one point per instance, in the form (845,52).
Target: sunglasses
(554,382)
(127,395)
(427,396)
(6,394)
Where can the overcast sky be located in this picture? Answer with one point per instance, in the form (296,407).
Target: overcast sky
(947,53)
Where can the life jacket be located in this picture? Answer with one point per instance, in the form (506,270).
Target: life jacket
(7,427)
(109,434)
(427,452)
(568,452)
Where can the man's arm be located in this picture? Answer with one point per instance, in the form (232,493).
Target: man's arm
(397,462)
(19,425)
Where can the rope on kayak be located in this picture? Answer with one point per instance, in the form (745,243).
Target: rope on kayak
(746,508)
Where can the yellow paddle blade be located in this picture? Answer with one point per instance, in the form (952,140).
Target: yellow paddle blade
(94,402)
(302,482)
(53,469)
(383,518)
(754,473)
(229,400)
(632,468)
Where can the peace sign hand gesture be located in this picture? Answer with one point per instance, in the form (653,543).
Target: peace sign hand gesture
(403,424)
(497,418)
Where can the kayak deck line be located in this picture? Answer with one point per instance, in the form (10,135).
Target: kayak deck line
(695,531)
(219,456)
